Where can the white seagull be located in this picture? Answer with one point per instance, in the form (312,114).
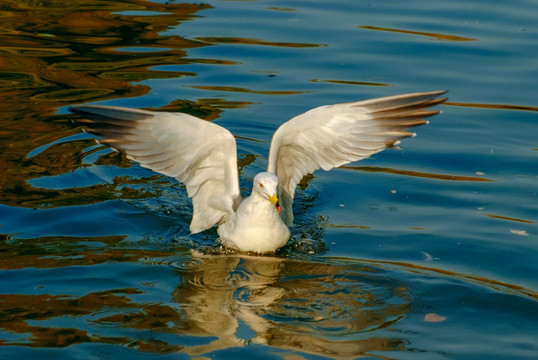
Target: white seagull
(203,156)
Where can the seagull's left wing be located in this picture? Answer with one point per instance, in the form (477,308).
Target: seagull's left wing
(333,135)
(200,154)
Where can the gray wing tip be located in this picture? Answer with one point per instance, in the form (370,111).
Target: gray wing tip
(427,98)
(438,92)
(100,112)
(432,94)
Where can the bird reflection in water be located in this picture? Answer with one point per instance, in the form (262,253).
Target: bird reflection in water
(316,308)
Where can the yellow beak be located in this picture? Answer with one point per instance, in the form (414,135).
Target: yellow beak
(274,201)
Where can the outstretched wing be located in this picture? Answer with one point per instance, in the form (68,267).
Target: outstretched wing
(333,135)
(198,153)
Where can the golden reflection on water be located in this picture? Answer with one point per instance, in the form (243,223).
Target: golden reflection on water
(46,62)
(500,286)
(416,173)
(328,308)
(302,306)
(437,36)
(76,53)
(509,218)
(246,41)
(18,309)
(62,251)
(53,54)
(226,301)
(494,106)
(245,90)
(349,82)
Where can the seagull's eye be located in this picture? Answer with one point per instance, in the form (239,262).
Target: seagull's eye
(260,185)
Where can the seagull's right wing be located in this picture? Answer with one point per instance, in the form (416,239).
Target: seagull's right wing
(198,153)
(333,135)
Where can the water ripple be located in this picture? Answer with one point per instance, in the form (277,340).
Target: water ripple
(317,304)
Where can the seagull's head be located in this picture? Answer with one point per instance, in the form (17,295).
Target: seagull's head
(265,184)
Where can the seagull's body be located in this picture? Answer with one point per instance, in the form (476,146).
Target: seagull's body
(202,155)
(248,229)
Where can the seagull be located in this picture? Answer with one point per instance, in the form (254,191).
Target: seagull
(203,156)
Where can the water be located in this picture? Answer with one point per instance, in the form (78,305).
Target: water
(428,252)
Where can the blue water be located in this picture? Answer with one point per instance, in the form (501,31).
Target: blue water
(428,252)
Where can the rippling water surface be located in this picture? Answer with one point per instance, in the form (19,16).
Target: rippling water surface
(429,252)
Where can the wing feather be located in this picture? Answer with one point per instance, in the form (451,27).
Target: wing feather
(198,153)
(333,135)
